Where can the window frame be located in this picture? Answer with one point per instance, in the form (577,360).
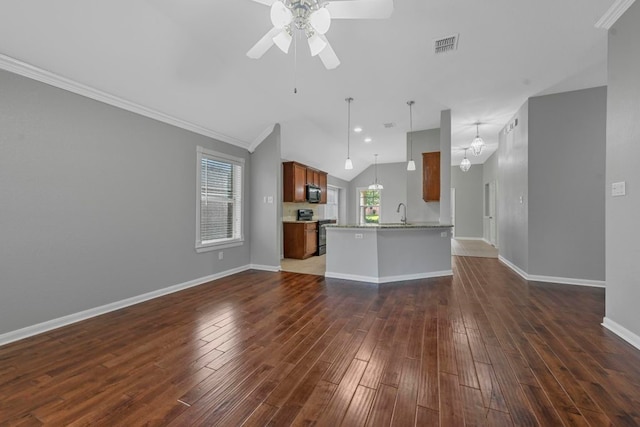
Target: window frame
(360,218)
(225,158)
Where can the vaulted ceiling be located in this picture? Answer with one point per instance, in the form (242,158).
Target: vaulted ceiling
(186,59)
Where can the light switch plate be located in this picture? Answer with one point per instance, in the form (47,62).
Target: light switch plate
(618,189)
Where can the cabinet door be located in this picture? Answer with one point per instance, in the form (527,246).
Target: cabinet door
(299,180)
(431,176)
(311,239)
(323,187)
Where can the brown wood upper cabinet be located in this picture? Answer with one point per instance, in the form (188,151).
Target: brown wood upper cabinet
(431,176)
(294,178)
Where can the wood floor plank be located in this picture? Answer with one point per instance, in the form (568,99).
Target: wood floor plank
(484,347)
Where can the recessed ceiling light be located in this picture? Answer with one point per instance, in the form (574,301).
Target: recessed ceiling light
(357,129)
(367,139)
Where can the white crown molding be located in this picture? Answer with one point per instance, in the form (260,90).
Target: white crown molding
(552,279)
(615,11)
(23,69)
(622,332)
(97,311)
(258,140)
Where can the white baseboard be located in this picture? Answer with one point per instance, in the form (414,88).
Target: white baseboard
(622,332)
(552,279)
(468,238)
(387,279)
(272,268)
(97,311)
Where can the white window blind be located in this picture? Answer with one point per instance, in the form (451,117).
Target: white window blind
(219,211)
(332,207)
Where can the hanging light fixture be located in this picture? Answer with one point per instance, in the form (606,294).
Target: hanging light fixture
(478,143)
(348,164)
(411,166)
(376,185)
(466,163)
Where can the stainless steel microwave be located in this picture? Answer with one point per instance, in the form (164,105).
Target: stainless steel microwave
(313,193)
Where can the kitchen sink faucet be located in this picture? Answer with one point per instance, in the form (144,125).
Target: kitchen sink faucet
(403,219)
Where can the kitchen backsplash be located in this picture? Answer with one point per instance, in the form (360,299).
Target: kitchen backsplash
(290,210)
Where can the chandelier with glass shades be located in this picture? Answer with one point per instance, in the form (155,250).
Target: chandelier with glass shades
(465,164)
(312,18)
(478,143)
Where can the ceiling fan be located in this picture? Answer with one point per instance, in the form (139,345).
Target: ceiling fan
(313,17)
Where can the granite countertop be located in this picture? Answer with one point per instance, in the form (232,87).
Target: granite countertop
(394,225)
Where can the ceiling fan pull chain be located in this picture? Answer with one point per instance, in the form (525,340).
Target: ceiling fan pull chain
(295,63)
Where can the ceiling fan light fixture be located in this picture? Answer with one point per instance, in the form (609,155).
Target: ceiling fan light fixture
(280,14)
(316,44)
(320,20)
(283,40)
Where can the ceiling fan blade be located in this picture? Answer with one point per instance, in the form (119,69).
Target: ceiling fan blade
(361,9)
(328,56)
(265,2)
(264,44)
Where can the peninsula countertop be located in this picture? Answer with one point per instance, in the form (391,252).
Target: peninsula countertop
(393,225)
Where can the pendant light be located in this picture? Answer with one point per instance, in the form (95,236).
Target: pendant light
(478,144)
(466,163)
(411,166)
(348,164)
(376,185)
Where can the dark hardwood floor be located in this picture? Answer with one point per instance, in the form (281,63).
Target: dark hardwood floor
(482,348)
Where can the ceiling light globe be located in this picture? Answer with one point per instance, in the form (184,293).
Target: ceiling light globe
(283,41)
(316,44)
(465,164)
(280,14)
(320,20)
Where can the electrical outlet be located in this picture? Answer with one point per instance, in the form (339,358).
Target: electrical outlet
(443,234)
(220,255)
(618,189)
(270,199)
(358,235)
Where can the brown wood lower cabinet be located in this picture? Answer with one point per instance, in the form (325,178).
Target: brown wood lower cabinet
(300,239)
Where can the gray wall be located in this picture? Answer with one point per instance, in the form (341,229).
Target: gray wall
(266,182)
(445,166)
(513,191)
(623,151)
(469,201)
(418,210)
(393,176)
(567,185)
(98,204)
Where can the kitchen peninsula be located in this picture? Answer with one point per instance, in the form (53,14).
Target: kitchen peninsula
(383,253)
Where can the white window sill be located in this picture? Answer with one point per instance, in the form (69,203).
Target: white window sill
(217,246)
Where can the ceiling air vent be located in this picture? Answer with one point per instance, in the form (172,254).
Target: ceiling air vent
(389,125)
(446,44)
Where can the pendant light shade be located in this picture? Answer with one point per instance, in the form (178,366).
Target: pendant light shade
(478,143)
(411,166)
(376,185)
(466,163)
(347,164)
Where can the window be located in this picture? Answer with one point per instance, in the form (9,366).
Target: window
(369,206)
(219,209)
(332,207)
